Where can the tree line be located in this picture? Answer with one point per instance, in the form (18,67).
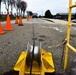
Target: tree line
(19,5)
(48,14)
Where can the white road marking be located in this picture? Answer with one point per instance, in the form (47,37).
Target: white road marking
(53,28)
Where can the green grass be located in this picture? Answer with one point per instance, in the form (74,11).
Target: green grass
(3,18)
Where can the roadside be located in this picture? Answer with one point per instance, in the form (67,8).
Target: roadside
(58,21)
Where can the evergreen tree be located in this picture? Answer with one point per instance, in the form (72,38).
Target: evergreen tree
(75,16)
(48,14)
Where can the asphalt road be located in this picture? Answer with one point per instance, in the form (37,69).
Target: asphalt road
(12,43)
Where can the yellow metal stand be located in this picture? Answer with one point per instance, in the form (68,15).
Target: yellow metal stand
(46,66)
(68,35)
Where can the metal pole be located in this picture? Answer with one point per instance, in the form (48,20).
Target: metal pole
(68,35)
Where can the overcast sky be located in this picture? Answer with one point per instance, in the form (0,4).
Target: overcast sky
(40,6)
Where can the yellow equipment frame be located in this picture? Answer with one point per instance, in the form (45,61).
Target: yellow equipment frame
(47,65)
(68,46)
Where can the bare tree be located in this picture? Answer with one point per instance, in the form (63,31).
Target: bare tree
(21,5)
(0,7)
(18,6)
(12,4)
(7,3)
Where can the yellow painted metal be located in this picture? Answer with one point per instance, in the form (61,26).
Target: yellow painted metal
(46,66)
(72,6)
(47,62)
(20,61)
(68,35)
(72,48)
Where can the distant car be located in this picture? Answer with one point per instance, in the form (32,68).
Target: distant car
(74,20)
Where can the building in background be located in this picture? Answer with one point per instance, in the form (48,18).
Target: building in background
(63,16)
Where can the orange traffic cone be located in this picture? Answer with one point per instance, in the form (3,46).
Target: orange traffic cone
(28,18)
(8,23)
(20,21)
(1,31)
(16,21)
